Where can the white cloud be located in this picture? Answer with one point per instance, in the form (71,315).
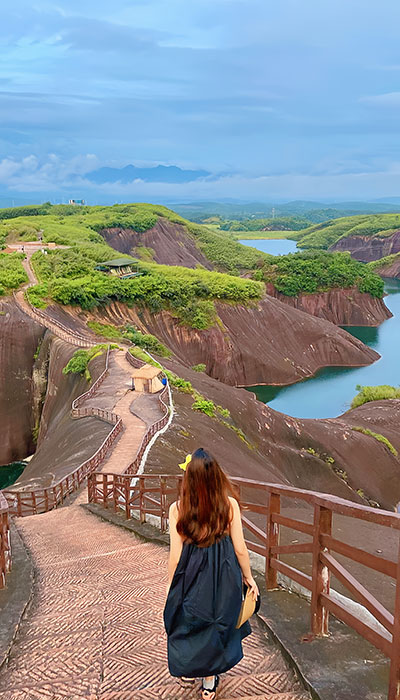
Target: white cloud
(390,99)
(33,175)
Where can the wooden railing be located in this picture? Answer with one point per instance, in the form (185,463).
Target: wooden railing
(41,500)
(5,545)
(58,328)
(153,430)
(151,495)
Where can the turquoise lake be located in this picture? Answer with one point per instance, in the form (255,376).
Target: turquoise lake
(330,391)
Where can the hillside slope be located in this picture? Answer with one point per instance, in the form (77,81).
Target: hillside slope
(166,242)
(366,237)
(267,343)
(321,455)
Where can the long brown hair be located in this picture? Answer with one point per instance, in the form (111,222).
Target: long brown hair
(204,510)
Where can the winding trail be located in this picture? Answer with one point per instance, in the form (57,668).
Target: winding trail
(94,628)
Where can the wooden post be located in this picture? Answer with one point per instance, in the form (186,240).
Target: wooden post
(320,573)
(46,500)
(127,497)
(163,505)
(394,678)
(34,507)
(141,499)
(274,506)
(19,506)
(115,497)
(104,490)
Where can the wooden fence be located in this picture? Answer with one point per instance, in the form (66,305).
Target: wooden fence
(55,326)
(41,500)
(150,494)
(5,545)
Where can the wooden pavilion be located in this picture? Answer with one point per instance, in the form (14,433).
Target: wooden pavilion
(120,267)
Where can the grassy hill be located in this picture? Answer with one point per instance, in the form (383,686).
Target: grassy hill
(326,234)
(67,276)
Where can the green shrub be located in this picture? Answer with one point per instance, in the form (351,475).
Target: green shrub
(315,271)
(178,382)
(205,406)
(12,273)
(79,362)
(106,330)
(224,412)
(147,341)
(377,436)
(328,233)
(199,368)
(36,295)
(141,355)
(374,393)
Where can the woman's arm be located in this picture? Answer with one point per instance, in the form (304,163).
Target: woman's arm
(175,544)
(239,545)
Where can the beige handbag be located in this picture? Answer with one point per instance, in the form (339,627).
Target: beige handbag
(249,606)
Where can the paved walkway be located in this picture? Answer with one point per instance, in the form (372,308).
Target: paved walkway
(95,628)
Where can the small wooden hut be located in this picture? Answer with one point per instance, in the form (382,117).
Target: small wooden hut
(147,379)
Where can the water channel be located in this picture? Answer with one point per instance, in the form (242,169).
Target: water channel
(330,391)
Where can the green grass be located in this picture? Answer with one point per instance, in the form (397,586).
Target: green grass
(12,273)
(374,393)
(264,235)
(378,437)
(384,262)
(330,232)
(318,271)
(79,362)
(141,355)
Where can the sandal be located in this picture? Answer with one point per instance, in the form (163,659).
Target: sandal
(210,693)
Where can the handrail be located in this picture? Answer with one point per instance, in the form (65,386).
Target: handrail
(53,324)
(42,500)
(5,545)
(150,494)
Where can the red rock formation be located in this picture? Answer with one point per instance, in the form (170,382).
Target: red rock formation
(19,340)
(172,244)
(345,307)
(270,343)
(391,270)
(321,455)
(63,443)
(368,248)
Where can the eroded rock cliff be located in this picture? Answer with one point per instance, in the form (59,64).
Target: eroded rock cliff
(63,443)
(20,339)
(168,243)
(344,307)
(320,455)
(270,343)
(368,248)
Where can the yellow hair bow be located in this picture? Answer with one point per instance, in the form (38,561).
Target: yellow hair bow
(186,462)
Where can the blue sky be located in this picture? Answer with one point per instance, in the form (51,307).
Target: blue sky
(278,100)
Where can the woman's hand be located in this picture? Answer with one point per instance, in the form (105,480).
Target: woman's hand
(251,584)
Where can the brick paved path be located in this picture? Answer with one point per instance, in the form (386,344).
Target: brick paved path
(95,629)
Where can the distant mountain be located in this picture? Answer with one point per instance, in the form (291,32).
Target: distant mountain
(159,173)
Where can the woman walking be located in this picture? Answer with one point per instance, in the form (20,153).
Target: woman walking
(208,560)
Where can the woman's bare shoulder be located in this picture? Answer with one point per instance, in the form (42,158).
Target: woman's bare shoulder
(173,510)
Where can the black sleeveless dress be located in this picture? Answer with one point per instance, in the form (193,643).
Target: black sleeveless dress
(202,610)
